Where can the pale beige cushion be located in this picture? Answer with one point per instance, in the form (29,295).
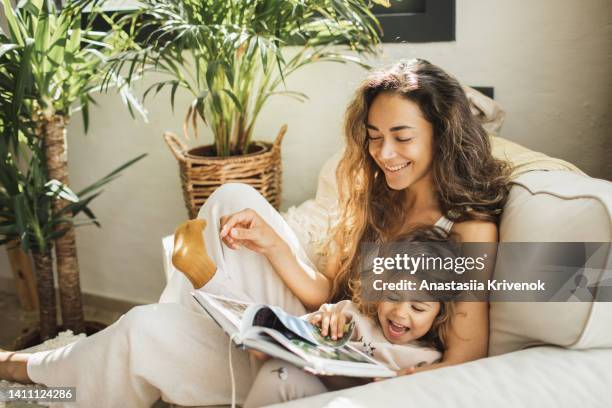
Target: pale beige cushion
(524,160)
(555,206)
(312,219)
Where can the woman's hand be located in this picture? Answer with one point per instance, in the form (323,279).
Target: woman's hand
(331,319)
(246,228)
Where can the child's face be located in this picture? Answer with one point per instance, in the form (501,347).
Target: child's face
(403,322)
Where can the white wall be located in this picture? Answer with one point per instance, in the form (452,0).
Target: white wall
(549,62)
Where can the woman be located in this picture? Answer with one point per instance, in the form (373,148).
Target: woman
(414,155)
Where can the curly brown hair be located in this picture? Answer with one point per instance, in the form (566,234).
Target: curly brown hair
(469,183)
(420,240)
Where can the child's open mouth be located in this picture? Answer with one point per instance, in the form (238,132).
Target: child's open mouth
(396,330)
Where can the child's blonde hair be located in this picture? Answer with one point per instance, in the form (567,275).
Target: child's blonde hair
(437,336)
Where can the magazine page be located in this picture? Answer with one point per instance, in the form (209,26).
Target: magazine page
(276,318)
(228,313)
(233,309)
(327,360)
(271,347)
(290,345)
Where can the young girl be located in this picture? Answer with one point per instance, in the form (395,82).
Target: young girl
(396,329)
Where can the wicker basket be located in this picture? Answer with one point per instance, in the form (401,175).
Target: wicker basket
(202,173)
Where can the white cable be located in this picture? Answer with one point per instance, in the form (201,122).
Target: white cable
(231,370)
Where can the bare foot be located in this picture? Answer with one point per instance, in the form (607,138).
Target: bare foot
(13,367)
(189,255)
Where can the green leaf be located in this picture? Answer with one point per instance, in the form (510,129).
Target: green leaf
(23,80)
(58,233)
(92,217)
(9,230)
(234,98)
(175,86)
(75,208)
(42,35)
(263,51)
(110,176)
(211,72)
(296,95)
(21,219)
(85,112)
(14,28)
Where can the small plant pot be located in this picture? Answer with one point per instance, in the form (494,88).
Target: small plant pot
(202,173)
(32,336)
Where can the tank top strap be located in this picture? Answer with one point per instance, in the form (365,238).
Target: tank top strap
(445,224)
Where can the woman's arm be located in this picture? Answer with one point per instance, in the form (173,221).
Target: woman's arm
(469,338)
(467,341)
(309,285)
(246,228)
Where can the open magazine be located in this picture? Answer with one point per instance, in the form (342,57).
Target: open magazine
(271,330)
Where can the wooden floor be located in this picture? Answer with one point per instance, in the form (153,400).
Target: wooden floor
(14,321)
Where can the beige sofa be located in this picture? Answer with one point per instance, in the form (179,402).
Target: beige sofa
(541,354)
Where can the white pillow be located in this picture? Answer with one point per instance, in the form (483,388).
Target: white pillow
(555,206)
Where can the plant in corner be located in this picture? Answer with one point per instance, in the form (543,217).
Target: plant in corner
(228,56)
(63,62)
(26,195)
(27,216)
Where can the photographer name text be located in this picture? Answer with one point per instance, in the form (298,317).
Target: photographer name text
(472,285)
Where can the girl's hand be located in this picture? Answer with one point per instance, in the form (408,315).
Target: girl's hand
(246,228)
(406,371)
(331,319)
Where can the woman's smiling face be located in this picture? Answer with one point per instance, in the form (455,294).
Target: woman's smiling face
(400,140)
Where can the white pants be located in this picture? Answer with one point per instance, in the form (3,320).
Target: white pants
(172,349)
(278,381)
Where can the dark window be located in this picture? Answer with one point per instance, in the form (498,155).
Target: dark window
(417,20)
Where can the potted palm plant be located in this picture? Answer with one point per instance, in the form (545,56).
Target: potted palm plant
(26,206)
(27,195)
(62,63)
(228,56)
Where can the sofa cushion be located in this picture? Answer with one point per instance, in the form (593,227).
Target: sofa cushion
(524,160)
(311,220)
(555,206)
(543,377)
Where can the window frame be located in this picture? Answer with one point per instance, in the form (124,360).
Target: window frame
(436,24)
